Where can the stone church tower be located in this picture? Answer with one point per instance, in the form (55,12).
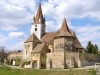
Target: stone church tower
(29,45)
(37,31)
(64,40)
(38,27)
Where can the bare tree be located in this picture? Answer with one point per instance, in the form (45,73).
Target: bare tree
(3,54)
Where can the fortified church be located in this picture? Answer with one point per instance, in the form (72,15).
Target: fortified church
(53,50)
(49,49)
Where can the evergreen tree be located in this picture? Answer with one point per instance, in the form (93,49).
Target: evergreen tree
(89,47)
(92,48)
(96,49)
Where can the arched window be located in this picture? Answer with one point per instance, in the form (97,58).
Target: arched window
(35,25)
(35,29)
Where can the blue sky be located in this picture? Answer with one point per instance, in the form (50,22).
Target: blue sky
(83,17)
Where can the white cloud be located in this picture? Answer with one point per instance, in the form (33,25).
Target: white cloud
(16,34)
(50,26)
(72,8)
(28,4)
(14,16)
(17,46)
(3,39)
(88,33)
(17,13)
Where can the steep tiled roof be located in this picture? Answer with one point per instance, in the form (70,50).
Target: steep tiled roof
(48,37)
(39,15)
(32,38)
(39,48)
(64,31)
(77,43)
(64,27)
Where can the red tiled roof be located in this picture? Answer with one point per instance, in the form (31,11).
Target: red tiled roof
(39,15)
(48,37)
(32,38)
(64,27)
(77,43)
(64,31)
(39,48)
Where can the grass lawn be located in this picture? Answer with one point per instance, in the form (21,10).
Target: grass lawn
(9,71)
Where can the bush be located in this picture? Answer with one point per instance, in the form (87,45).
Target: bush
(17,61)
(27,62)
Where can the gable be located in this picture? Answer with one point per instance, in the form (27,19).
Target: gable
(32,38)
(40,48)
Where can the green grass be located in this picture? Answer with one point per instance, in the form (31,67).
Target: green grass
(9,71)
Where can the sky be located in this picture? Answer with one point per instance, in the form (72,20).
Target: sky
(83,17)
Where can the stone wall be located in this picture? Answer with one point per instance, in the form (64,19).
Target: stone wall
(89,59)
(72,60)
(36,60)
(43,56)
(59,44)
(63,43)
(40,58)
(64,60)
(27,51)
(80,59)
(15,58)
(28,47)
(55,60)
(14,55)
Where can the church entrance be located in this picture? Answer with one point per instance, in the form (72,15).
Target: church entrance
(43,66)
(34,64)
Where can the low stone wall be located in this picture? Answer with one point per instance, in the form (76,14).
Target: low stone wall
(87,59)
(62,60)
(81,59)
(71,60)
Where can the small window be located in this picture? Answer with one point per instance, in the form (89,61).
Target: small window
(80,51)
(42,54)
(35,29)
(35,25)
(26,52)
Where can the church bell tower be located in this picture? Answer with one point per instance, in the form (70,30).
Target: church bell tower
(38,25)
